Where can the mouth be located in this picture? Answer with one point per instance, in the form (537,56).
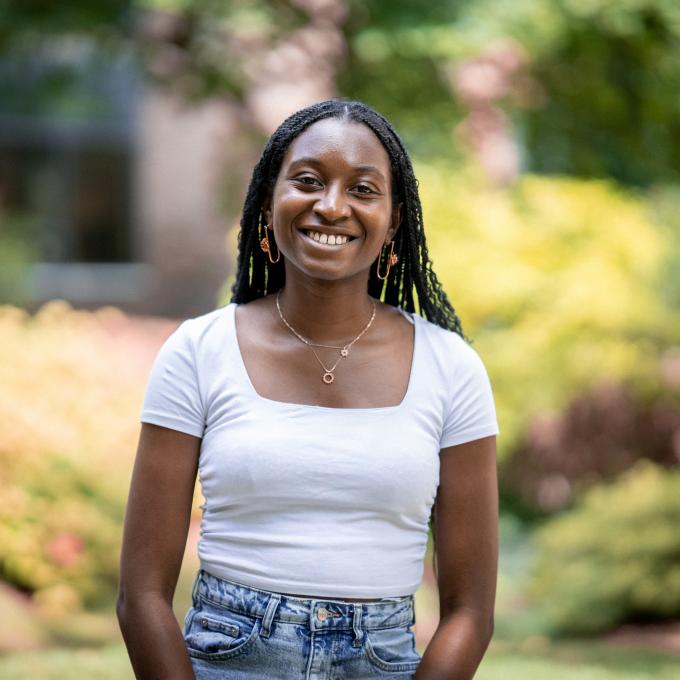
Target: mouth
(324,239)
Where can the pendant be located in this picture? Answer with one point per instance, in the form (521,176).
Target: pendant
(344,352)
(328,377)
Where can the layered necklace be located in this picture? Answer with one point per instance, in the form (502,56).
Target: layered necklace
(328,375)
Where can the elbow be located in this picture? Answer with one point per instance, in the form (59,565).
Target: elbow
(481,623)
(134,604)
(120,608)
(488,633)
(126,604)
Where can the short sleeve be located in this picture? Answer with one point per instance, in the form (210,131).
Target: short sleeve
(172,397)
(472,412)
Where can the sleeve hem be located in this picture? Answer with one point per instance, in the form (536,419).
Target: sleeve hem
(173,424)
(469,435)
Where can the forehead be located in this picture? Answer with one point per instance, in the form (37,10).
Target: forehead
(333,140)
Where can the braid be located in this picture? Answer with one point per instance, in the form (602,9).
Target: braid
(257,277)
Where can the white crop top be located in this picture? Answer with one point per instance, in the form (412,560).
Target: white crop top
(316,500)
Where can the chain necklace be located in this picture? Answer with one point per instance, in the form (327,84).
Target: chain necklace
(328,376)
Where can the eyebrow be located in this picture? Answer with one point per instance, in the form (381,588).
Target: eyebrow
(310,160)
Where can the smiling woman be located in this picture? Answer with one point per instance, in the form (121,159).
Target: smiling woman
(329,422)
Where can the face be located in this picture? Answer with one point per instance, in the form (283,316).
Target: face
(331,208)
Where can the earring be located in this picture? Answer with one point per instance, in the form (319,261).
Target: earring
(266,247)
(392,259)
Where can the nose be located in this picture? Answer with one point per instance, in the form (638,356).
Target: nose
(332,205)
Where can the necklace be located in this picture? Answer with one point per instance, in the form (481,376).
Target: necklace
(328,376)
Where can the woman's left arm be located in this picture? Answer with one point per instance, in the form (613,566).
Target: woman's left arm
(466,528)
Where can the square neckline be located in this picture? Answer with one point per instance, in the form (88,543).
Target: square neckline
(317,407)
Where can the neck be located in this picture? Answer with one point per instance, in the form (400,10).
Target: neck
(327,312)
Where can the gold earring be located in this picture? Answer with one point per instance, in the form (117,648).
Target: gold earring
(392,259)
(266,246)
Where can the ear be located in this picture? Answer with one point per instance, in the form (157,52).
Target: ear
(266,209)
(396,222)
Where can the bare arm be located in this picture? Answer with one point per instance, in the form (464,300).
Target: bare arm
(466,527)
(154,539)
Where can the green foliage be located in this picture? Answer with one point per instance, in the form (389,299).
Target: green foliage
(610,85)
(28,20)
(666,202)
(607,73)
(18,249)
(615,557)
(557,281)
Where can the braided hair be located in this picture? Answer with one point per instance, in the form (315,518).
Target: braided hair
(257,277)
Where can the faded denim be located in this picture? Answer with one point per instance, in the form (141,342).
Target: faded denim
(234,632)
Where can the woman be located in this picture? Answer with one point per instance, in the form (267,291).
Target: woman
(324,425)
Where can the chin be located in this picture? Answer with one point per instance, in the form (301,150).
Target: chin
(319,272)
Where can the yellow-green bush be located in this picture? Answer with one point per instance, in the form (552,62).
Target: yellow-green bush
(556,281)
(72,386)
(615,557)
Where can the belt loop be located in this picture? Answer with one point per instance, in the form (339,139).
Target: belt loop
(194,589)
(268,617)
(356,626)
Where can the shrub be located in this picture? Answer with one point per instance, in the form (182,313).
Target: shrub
(72,386)
(557,281)
(615,557)
(600,434)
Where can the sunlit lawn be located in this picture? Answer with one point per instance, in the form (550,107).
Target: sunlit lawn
(594,661)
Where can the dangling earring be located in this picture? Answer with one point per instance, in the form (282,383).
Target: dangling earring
(266,246)
(392,259)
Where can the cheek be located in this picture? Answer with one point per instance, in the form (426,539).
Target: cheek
(379,216)
(290,202)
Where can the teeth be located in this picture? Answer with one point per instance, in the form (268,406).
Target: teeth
(332,239)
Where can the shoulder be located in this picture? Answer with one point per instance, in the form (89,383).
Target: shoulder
(454,365)
(198,328)
(195,336)
(449,350)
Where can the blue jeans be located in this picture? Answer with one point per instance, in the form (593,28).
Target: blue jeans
(234,632)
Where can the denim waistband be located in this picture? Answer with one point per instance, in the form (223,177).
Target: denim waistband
(318,613)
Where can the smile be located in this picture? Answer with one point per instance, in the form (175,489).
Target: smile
(327,239)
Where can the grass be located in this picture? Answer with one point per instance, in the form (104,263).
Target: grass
(576,660)
(108,663)
(560,661)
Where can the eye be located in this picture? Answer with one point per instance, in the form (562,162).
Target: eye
(307,180)
(364,189)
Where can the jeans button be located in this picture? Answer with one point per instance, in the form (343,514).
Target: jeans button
(322,613)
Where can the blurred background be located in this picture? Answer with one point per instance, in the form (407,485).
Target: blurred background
(546,138)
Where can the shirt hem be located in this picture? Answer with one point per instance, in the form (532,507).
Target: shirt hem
(173,424)
(469,435)
(314,591)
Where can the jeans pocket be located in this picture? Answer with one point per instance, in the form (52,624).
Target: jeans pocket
(219,634)
(392,649)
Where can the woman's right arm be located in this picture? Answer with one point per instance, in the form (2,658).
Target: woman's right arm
(154,539)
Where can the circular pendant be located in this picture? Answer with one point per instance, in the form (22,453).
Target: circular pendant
(344,352)
(328,377)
